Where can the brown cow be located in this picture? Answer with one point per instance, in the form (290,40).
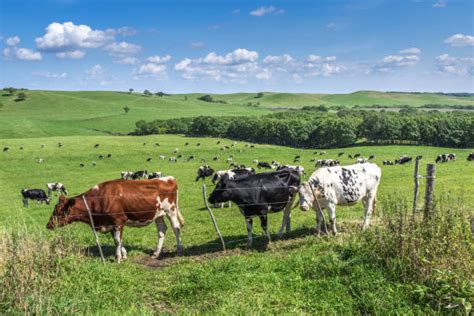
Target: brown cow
(117,203)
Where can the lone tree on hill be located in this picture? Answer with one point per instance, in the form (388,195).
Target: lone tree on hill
(130,90)
(21,97)
(126,109)
(147,92)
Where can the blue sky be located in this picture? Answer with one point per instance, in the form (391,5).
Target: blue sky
(231,46)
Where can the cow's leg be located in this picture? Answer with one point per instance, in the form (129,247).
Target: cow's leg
(284,222)
(264,224)
(173,217)
(25,202)
(249,222)
(161,226)
(369,207)
(118,243)
(319,220)
(332,216)
(122,248)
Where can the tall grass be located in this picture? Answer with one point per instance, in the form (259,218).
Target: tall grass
(435,255)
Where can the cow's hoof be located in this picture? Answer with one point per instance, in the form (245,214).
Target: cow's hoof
(179,251)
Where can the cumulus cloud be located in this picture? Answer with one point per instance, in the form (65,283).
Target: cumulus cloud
(68,37)
(400,60)
(265,74)
(261,11)
(123,31)
(122,48)
(439,4)
(127,61)
(459,66)
(157,71)
(411,50)
(297,78)
(281,59)
(49,75)
(240,55)
(95,72)
(12,41)
(75,54)
(460,40)
(159,59)
(27,54)
(197,45)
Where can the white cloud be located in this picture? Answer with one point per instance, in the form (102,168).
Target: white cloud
(236,11)
(240,55)
(400,60)
(27,54)
(75,54)
(297,78)
(127,61)
(7,53)
(281,59)
(439,4)
(460,40)
(12,41)
(265,74)
(411,50)
(331,25)
(183,64)
(123,31)
(68,36)
(158,59)
(122,48)
(49,75)
(151,69)
(266,10)
(459,66)
(95,72)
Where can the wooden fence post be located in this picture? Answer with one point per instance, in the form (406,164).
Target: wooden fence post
(430,180)
(204,196)
(417,184)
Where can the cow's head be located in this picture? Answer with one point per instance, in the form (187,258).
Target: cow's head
(62,213)
(307,193)
(221,192)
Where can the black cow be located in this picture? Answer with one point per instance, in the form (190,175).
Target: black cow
(96,146)
(470,157)
(232,174)
(297,158)
(403,160)
(142,174)
(258,195)
(5,149)
(264,165)
(340,154)
(109,156)
(155,175)
(357,155)
(388,163)
(371,157)
(34,194)
(148,159)
(445,158)
(204,172)
(101,156)
(191,158)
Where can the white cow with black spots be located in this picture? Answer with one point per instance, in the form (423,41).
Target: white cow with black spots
(341,185)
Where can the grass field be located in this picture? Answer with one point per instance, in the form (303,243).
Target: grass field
(66,113)
(299,274)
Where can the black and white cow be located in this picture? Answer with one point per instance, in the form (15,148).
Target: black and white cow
(155,175)
(470,157)
(262,164)
(204,172)
(142,174)
(231,175)
(126,175)
(6,148)
(327,163)
(388,163)
(258,195)
(362,160)
(299,169)
(403,160)
(341,186)
(34,194)
(445,158)
(57,187)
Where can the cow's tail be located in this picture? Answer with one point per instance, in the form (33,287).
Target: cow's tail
(178,212)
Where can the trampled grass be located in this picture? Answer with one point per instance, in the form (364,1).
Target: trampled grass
(299,274)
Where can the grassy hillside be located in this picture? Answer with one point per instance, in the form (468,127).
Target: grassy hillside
(60,113)
(300,274)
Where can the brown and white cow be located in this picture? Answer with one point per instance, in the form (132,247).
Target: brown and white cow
(118,203)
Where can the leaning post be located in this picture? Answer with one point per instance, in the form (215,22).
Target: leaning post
(417,184)
(204,195)
(430,180)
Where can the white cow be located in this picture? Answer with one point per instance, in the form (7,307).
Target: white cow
(56,187)
(338,185)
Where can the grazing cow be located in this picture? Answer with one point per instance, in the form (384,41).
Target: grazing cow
(142,174)
(157,144)
(264,165)
(470,157)
(109,156)
(43,145)
(96,146)
(232,174)
(34,194)
(258,195)
(445,158)
(230,159)
(204,172)
(341,186)
(162,157)
(203,160)
(94,164)
(81,165)
(388,163)
(299,169)
(101,156)
(191,158)
(340,154)
(21,147)
(275,164)
(362,160)
(172,159)
(327,163)
(175,150)
(179,156)
(60,144)
(252,146)
(403,160)
(117,203)
(371,157)
(322,153)
(297,158)
(357,155)
(40,160)
(148,159)
(155,175)
(218,142)
(215,158)
(255,161)
(126,175)
(198,144)
(5,149)
(56,187)
(315,153)
(350,156)
(186,144)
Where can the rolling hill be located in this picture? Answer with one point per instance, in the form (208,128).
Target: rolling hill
(61,113)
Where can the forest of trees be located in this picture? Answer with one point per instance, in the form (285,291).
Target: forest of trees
(310,128)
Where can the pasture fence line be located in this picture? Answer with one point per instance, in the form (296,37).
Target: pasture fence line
(204,195)
(429,192)
(93,230)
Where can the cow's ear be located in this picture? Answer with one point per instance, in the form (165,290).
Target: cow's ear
(62,198)
(293,189)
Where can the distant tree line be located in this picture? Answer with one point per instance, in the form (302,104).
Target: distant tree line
(319,129)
